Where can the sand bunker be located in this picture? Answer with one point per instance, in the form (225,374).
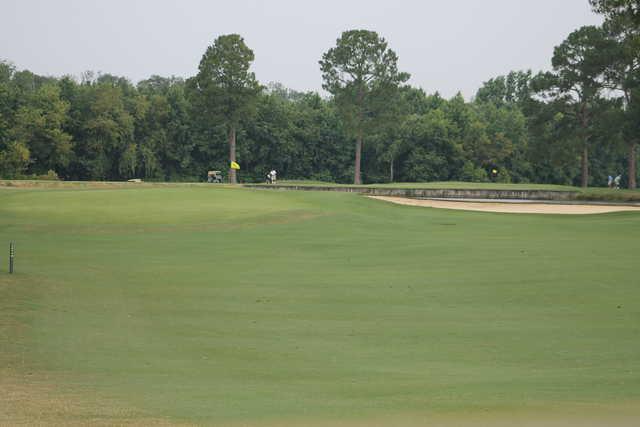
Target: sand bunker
(510,207)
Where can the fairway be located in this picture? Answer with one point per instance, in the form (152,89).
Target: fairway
(214,306)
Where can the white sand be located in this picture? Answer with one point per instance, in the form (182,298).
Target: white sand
(537,208)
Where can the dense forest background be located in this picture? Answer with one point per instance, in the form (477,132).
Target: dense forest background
(543,127)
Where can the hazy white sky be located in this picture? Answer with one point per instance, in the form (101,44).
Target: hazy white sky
(447,46)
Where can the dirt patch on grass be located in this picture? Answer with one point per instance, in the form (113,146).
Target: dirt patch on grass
(35,399)
(31,396)
(531,208)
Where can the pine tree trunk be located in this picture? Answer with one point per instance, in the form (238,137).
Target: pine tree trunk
(391,171)
(585,167)
(357,180)
(632,166)
(232,154)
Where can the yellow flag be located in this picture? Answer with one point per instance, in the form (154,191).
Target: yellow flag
(235,166)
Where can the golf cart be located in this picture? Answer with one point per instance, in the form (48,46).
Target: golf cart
(214,177)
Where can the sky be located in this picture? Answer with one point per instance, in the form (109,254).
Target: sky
(446,45)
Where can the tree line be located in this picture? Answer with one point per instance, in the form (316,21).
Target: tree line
(573,125)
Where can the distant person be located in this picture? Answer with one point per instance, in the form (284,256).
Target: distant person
(616,182)
(274,176)
(610,181)
(268,180)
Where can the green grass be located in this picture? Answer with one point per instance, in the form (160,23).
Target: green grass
(208,304)
(608,195)
(589,194)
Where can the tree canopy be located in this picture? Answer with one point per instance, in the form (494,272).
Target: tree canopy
(224,89)
(362,74)
(575,124)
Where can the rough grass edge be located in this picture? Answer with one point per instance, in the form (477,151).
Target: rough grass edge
(589,194)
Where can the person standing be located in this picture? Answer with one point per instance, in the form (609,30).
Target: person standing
(616,181)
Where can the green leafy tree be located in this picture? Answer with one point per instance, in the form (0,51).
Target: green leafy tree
(514,88)
(7,111)
(321,139)
(14,159)
(128,161)
(224,89)
(432,153)
(579,64)
(7,99)
(361,73)
(271,138)
(166,128)
(628,10)
(506,128)
(106,133)
(623,26)
(38,125)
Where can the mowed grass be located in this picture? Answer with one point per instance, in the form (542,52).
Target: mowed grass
(220,305)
